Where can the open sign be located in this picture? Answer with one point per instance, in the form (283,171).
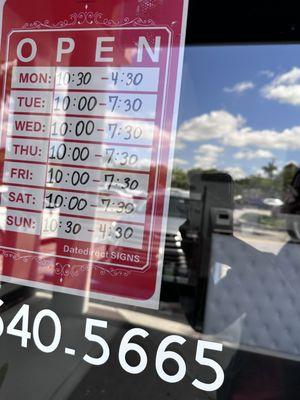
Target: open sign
(88,126)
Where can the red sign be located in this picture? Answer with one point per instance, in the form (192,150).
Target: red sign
(89,105)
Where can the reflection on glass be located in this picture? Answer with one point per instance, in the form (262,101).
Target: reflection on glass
(239,115)
(232,239)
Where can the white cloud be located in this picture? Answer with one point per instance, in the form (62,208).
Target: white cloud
(251,155)
(207,156)
(284,88)
(291,162)
(214,125)
(239,87)
(206,162)
(291,77)
(179,145)
(179,162)
(236,172)
(209,149)
(231,130)
(258,171)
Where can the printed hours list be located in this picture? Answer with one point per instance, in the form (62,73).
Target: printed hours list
(80,143)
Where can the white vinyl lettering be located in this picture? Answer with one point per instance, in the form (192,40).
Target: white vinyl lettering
(62,49)
(153,54)
(33,51)
(100,48)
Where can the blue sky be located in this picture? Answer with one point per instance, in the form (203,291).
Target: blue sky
(240,107)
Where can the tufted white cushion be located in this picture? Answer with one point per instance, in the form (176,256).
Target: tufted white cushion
(258,291)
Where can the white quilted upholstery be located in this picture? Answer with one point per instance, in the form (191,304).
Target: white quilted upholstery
(261,290)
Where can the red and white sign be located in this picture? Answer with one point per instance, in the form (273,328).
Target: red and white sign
(88,120)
